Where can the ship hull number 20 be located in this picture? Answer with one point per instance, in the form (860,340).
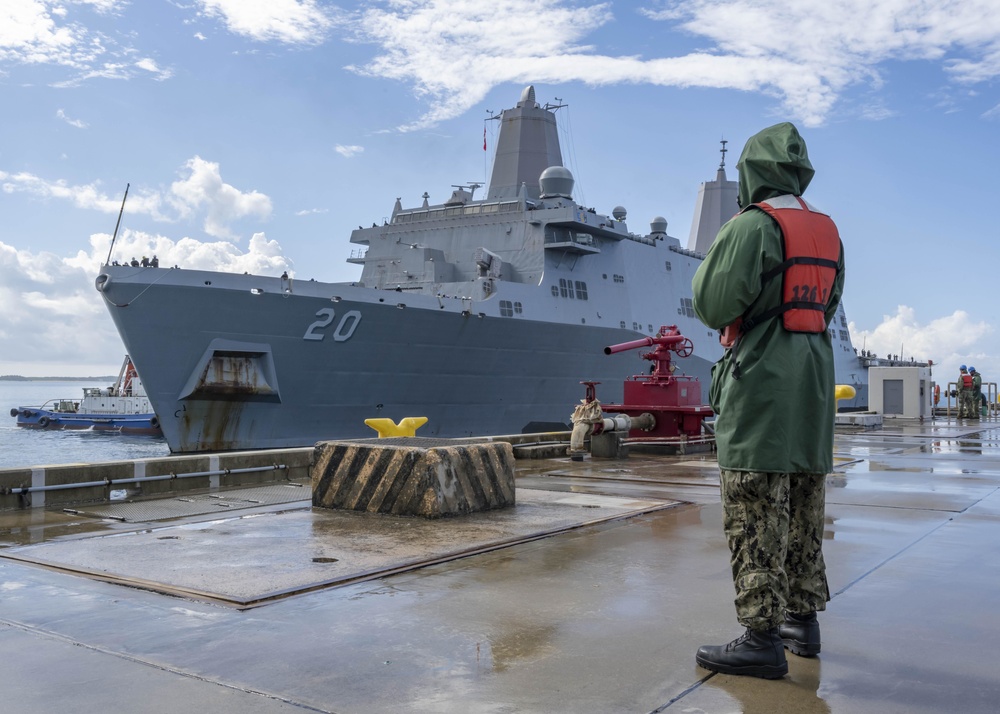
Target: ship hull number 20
(345,328)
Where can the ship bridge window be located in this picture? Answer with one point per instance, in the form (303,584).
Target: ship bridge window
(669,268)
(472,210)
(557,235)
(490,208)
(619,278)
(508,206)
(843,320)
(622,324)
(573,289)
(687,307)
(509,309)
(453,211)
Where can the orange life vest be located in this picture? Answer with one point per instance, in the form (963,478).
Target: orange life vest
(967,381)
(811,250)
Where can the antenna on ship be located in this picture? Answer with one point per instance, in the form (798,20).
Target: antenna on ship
(115,236)
(722,164)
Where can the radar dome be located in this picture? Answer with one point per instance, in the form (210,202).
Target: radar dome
(556,181)
(619,213)
(658,225)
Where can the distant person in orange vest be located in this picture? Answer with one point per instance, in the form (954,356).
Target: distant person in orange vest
(964,393)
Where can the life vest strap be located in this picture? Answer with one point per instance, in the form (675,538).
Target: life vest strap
(752,322)
(798,260)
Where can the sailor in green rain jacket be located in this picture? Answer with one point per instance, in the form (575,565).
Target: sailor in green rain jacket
(773,392)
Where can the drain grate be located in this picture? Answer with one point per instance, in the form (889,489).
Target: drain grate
(196,505)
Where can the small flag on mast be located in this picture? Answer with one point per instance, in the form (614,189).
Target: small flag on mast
(484,138)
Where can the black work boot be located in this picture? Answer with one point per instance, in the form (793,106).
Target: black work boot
(758,653)
(800,633)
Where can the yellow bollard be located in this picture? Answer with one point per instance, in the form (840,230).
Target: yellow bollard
(844,391)
(387,427)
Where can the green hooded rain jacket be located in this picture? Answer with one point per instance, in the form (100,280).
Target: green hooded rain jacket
(778,416)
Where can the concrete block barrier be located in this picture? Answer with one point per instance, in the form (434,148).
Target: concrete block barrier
(414,477)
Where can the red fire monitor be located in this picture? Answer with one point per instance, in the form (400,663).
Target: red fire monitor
(674,400)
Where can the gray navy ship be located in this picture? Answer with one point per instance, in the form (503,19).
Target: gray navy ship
(481,314)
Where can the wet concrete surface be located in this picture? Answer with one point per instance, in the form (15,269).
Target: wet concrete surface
(247,559)
(602,617)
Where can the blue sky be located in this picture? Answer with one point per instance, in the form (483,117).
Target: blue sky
(256,134)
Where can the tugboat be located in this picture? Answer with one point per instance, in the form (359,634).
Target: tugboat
(122,407)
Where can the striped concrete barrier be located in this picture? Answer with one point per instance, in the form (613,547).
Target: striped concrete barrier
(414,476)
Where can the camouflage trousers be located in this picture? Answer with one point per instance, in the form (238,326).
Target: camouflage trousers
(969,404)
(975,404)
(774,525)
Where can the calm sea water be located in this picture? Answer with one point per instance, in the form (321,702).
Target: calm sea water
(36,447)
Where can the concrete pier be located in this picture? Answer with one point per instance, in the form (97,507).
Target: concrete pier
(590,595)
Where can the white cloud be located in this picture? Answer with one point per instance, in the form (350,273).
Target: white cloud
(224,203)
(53,321)
(806,55)
(86,196)
(29,33)
(348,151)
(72,122)
(262,257)
(453,53)
(47,313)
(39,32)
(949,341)
(158,73)
(102,6)
(288,21)
(200,194)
